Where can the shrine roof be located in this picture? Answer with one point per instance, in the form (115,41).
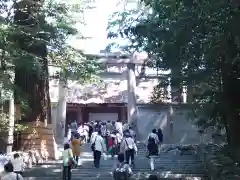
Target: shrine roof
(107,91)
(111,91)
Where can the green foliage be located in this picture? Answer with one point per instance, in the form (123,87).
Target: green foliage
(73,63)
(199,42)
(56,25)
(53,23)
(4,123)
(159,93)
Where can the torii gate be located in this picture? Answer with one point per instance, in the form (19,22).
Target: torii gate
(131,61)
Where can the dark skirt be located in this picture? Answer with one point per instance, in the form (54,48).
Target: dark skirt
(152,149)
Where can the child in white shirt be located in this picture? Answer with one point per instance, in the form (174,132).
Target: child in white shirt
(17,163)
(9,174)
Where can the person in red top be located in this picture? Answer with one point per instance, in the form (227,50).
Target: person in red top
(112,145)
(109,144)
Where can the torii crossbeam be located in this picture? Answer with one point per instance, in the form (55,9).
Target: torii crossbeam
(131,61)
(116,58)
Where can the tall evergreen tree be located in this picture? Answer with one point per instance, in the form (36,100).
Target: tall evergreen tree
(33,33)
(30,21)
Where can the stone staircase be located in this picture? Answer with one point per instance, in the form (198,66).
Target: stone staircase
(170,165)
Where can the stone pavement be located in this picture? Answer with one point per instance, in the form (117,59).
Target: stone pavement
(169,165)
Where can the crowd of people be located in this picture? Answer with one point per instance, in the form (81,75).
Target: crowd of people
(112,139)
(108,138)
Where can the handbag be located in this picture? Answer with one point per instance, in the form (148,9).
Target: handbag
(70,161)
(128,148)
(93,144)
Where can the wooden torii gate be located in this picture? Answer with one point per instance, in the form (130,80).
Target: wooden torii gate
(131,61)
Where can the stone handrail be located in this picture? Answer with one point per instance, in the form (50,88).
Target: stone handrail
(217,166)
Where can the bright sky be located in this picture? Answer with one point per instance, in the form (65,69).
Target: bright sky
(97,21)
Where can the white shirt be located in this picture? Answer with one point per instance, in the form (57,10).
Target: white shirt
(153,135)
(11,176)
(17,164)
(81,130)
(3,160)
(118,137)
(86,128)
(66,140)
(125,127)
(119,127)
(128,143)
(94,134)
(69,134)
(99,143)
(104,130)
(66,155)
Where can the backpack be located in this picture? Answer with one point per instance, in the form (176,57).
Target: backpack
(152,146)
(151,140)
(120,173)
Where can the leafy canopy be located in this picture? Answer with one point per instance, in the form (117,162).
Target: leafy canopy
(199,42)
(55,22)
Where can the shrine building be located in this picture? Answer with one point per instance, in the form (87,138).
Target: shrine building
(122,85)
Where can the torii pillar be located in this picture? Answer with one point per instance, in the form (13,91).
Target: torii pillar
(131,87)
(131,61)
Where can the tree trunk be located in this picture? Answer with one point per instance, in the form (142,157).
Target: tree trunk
(31,79)
(231,96)
(231,89)
(32,83)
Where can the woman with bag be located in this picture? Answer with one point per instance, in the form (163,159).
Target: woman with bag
(68,162)
(76,147)
(130,148)
(152,147)
(98,147)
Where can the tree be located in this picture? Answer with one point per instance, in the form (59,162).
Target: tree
(199,42)
(35,41)
(32,31)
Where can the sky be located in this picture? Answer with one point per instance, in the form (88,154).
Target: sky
(96,25)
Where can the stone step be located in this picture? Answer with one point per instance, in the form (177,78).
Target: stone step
(169,165)
(111,178)
(97,174)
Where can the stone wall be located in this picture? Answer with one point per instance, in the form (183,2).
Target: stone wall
(38,137)
(149,118)
(157,116)
(183,130)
